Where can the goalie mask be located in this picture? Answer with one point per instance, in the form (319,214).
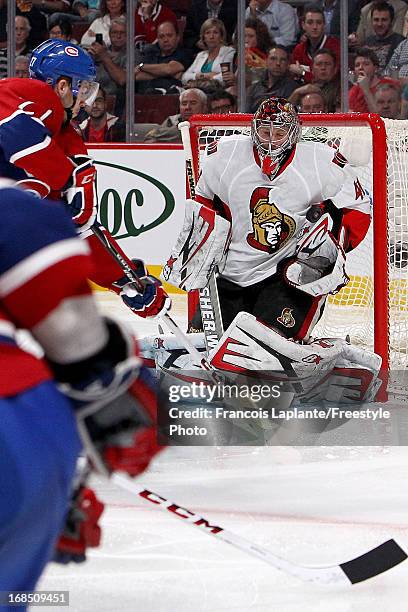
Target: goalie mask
(275,130)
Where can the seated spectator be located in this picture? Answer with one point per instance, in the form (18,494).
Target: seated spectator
(365,27)
(163,63)
(110,62)
(313,24)
(109,9)
(85,11)
(384,41)
(331,10)
(52,6)
(207,64)
(276,82)
(368,78)
(397,67)
(22,28)
(149,15)
(279,17)
(325,79)
(192,102)
(38,21)
(200,11)
(99,123)
(61,28)
(388,101)
(313,103)
(221,102)
(21,65)
(258,41)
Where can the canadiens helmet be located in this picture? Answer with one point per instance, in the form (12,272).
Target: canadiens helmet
(53,59)
(275,130)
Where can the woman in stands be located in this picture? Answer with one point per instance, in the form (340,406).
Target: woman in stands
(109,9)
(207,64)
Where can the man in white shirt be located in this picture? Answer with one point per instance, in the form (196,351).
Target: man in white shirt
(279,17)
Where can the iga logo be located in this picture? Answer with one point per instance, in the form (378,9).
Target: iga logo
(71,51)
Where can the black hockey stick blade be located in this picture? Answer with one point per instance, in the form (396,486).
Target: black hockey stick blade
(374,562)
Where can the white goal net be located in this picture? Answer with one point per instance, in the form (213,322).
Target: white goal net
(372,309)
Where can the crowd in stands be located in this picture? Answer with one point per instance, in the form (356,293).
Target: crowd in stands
(186,57)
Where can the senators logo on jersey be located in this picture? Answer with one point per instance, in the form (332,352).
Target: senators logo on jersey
(271,228)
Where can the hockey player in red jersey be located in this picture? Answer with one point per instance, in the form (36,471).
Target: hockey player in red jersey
(90,379)
(41,150)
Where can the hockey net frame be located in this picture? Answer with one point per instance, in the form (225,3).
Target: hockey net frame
(376,127)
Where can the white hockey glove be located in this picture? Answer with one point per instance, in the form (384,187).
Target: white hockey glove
(319,266)
(200,247)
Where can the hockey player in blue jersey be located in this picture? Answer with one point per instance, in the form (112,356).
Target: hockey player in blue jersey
(89,365)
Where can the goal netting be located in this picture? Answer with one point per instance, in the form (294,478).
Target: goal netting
(372,309)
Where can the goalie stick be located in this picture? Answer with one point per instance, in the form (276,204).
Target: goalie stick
(369,564)
(208,296)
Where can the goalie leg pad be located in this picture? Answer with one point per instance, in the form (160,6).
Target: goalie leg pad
(200,247)
(249,344)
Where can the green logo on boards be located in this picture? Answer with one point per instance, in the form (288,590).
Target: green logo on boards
(129,208)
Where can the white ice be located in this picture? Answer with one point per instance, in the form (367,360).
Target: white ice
(311,505)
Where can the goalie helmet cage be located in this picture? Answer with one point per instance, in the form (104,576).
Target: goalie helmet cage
(372,309)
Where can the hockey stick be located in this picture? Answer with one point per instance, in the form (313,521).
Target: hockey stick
(369,564)
(208,296)
(129,272)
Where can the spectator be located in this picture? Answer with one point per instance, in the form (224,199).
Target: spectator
(148,17)
(22,28)
(99,123)
(366,71)
(81,10)
(21,65)
(313,103)
(221,102)
(38,21)
(279,17)
(313,24)
(207,64)
(258,41)
(52,6)
(388,101)
(61,28)
(331,10)
(200,11)
(192,101)
(397,67)
(111,62)
(276,82)
(163,63)
(384,41)
(109,9)
(365,27)
(325,79)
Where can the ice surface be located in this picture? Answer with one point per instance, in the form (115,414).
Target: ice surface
(311,505)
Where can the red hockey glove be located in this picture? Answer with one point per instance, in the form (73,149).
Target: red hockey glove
(116,401)
(36,187)
(80,194)
(81,529)
(153,302)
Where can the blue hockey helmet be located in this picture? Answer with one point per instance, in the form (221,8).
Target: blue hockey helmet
(53,59)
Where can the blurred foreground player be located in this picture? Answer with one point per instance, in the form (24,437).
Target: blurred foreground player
(41,150)
(90,379)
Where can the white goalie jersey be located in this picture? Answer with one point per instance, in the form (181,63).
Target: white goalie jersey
(268,217)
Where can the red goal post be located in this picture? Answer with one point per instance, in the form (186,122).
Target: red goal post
(369,136)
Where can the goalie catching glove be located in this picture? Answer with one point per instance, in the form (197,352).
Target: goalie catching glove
(153,302)
(319,266)
(116,403)
(201,246)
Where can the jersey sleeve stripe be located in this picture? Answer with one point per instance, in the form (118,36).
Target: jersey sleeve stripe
(30,150)
(40,261)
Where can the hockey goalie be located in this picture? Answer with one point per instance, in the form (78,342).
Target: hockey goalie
(277,217)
